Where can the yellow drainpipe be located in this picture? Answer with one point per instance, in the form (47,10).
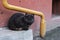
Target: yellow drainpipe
(20,9)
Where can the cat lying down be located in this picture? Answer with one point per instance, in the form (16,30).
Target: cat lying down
(19,21)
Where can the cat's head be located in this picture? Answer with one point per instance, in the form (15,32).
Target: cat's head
(29,18)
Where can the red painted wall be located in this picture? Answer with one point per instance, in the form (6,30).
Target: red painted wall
(44,6)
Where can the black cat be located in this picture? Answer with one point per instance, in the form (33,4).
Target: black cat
(19,21)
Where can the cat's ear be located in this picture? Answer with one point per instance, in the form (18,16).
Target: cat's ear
(29,14)
(26,13)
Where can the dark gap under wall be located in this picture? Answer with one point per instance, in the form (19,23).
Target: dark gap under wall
(55,8)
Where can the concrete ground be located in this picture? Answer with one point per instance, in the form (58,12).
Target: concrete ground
(50,35)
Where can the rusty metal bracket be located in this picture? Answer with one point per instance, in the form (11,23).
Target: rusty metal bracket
(20,9)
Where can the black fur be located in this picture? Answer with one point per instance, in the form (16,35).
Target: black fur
(19,20)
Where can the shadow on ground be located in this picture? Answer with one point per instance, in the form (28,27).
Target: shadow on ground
(50,35)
